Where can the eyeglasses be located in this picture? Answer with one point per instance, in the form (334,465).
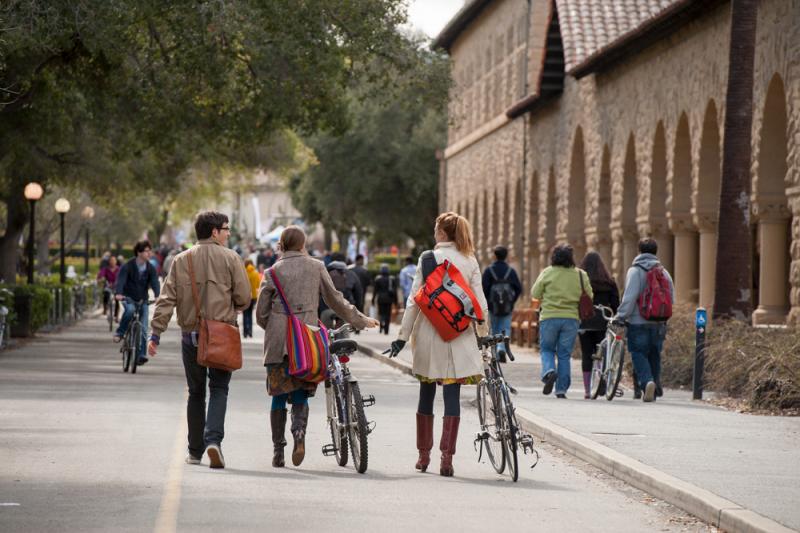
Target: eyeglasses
(225,228)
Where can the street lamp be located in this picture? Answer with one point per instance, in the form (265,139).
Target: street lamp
(33,192)
(88,215)
(62,208)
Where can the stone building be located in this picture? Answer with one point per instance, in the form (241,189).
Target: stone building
(598,122)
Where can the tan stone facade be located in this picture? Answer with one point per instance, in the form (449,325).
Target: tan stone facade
(631,150)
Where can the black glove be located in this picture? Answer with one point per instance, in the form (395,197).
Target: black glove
(395,349)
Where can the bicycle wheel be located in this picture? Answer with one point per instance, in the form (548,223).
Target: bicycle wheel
(136,333)
(126,354)
(489,424)
(598,372)
(510,435)
(614,370)
(338,434)
(110,314)
(358,427)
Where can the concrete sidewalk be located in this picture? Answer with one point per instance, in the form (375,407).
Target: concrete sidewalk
(738,471)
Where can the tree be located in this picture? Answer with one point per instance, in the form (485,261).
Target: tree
(733,295)
(121,96)
(382,174)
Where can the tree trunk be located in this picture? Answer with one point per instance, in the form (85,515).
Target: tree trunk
(16,220)
(733,290)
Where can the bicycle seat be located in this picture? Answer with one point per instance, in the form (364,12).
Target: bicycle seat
(346,346)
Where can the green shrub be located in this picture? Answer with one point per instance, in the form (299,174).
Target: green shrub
(389,259)
(41,301)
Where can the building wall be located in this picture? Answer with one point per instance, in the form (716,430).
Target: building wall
(635,151)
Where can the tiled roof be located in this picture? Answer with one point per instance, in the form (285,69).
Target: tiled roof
(590,27)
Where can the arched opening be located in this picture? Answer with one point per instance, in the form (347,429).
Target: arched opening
(549,231)
(576,201)
(658,199)
(706,208)
(685,256)
(604,208)
(626,240)
(771,207)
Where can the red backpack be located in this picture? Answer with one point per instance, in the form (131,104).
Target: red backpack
(655,300)
(445,298)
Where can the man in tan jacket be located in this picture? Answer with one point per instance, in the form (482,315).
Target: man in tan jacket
(224,291)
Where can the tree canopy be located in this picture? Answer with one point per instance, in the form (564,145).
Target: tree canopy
(122,96)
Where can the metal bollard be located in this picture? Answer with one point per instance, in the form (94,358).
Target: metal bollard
(700,322)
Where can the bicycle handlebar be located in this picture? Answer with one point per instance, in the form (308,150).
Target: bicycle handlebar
(494,340)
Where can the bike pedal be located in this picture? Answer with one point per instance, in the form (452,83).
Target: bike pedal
(328,449)
(511,389)
(368,401)
(370,427)
(482,435)
(620,393)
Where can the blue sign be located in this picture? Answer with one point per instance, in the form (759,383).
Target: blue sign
(700,317)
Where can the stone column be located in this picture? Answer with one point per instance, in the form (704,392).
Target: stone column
(684,274)
(630,249)
(794,249)
(618,267)
(706,224)
(773,299)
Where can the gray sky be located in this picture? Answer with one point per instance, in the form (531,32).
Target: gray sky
(430,16)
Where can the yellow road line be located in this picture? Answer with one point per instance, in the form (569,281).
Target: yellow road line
(167,519)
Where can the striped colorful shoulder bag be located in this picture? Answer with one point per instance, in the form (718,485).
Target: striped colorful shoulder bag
(306,346)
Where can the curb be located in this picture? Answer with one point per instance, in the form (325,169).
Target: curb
(709,507)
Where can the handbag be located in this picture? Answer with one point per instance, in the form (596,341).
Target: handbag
(585,304)
(306,346)
(219,345)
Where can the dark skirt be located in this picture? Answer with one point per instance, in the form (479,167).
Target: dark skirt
(280,382)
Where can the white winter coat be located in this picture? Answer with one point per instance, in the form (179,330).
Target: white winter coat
(433,357)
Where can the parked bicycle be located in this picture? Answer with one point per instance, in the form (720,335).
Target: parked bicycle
(134,338)
(500,434)
(6,296)
(609,358)
(108,296)
(345,405)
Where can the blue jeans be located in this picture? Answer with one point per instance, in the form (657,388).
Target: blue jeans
(556,338)
(127,316)
(644,343)
(500,324)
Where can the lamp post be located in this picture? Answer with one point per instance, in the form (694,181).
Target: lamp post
(88,215)
(33,192)
(62,208)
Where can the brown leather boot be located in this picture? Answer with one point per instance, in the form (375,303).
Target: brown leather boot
(424,440)
(448,444)
(299,423)
(277,420)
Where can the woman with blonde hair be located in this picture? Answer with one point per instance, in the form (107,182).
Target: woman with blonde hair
(436,361)
(303,280)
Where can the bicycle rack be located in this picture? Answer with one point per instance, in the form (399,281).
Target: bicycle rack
(368,401)
(328,449)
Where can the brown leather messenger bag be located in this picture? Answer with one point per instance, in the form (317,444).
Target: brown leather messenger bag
(219,345)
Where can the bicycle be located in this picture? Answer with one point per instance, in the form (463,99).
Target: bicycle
(134,337)
(345,405)
(609,359)
(500,432)
(6,296)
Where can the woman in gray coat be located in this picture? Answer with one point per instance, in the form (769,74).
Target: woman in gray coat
(303,279)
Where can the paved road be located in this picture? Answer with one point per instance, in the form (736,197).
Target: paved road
(85,447)
(751,460)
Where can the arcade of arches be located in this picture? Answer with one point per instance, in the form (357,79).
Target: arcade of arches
(629,150)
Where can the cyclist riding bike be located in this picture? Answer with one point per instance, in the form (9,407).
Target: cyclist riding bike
(134,280)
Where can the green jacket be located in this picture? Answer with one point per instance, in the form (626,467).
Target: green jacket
(559,290)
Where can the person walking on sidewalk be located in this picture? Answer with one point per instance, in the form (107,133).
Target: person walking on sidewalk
(134,280)
(303,280)
(593,330)
(224,290)
(385,294)
(436,361)
(559,288)
(502,288)
(645,336)
(407,274)
(255,282)
(364,278)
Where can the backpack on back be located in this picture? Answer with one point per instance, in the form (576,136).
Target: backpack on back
(655,300)
(445,298)
(501,294)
